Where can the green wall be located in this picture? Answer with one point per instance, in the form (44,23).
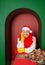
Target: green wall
(7,6)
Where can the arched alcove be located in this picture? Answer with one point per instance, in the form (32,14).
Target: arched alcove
(14,22)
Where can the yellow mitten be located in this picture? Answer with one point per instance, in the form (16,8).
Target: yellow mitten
(20,50)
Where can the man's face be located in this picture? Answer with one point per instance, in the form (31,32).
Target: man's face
(26,33)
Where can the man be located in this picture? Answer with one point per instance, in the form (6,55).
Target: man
(26,42)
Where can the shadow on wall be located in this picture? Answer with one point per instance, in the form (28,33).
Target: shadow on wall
(13,25)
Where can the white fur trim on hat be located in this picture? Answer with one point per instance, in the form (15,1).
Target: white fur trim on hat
(26,28)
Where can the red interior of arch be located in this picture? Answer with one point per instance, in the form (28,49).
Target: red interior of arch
(18,22)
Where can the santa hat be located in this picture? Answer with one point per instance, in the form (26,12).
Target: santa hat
(27,28)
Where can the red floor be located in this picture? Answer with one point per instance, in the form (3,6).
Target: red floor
(19,61)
